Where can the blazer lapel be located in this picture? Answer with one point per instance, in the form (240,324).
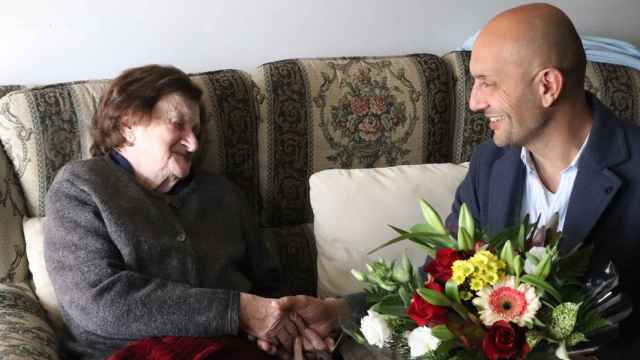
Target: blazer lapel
(505,190)
(595,185)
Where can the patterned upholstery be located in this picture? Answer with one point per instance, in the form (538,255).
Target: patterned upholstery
(297,254)
(42,129)
(345,113)
(13,264)
(5,89)
(616,86)
(24,332)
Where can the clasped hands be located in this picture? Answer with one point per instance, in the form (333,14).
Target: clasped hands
(292,327)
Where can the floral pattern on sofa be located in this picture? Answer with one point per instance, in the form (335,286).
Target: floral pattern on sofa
(355,112)
(24,330)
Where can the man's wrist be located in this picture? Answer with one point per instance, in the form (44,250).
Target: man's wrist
(340,310)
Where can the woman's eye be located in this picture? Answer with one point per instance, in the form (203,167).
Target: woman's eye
(178,124)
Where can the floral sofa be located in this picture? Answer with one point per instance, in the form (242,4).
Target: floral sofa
(269,131)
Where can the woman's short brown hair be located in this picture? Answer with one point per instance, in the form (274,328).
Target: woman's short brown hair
(135,92)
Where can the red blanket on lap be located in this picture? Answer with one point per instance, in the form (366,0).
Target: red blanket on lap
(191,348)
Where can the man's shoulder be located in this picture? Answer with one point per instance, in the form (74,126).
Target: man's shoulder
(488,152)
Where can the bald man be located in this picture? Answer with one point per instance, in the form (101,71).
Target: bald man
(555,148)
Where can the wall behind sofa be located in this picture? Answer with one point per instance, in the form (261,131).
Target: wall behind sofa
(45,41)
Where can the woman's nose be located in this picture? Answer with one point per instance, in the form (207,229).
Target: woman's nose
(190,141)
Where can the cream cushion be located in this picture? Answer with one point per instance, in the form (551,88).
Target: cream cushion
(352,209)
(34,241)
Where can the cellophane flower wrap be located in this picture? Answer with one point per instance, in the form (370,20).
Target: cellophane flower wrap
(509,296)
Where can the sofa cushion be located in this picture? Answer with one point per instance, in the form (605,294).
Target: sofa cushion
(353,112)
(617,86)
(43,128)
(34,242)
(352,209)
(24,331)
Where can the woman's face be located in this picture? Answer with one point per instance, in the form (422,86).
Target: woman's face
(161,151)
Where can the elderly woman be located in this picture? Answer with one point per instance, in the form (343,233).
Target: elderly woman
(138,245)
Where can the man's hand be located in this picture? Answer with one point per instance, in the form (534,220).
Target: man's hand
(268,320)
(322,316)
(314,319)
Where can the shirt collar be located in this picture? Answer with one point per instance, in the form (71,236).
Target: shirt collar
(525,156)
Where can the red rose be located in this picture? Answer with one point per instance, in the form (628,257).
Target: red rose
(424,313)
(503,341)
(440,267)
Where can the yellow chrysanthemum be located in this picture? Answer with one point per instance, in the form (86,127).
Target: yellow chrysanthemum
(476,284)
(460,270)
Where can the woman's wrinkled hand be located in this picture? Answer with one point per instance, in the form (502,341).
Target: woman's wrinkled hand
(268,320)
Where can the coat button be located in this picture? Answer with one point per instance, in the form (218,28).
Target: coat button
(608,189)
(182,237)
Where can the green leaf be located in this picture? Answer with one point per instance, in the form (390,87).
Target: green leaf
(443,333)
(575,338)
(520,238)
(541,284)
(402,270)
(391,305)
(572,267)
(466,239)
(591,321)
(466,223)
(432,218)
(451,290)
(517,267)
(544,266)
(533,337)
(416,238)
(563,320)
(434,298)
(442,240)
(406,296)
(506,255)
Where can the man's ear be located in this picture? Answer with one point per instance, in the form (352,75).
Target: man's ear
(551,82)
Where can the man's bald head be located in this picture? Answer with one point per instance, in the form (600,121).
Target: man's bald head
(535,36)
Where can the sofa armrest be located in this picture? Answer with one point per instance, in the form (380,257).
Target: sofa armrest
(25,332)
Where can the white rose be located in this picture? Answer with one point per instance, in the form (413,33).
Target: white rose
(538,253)
(421,341)
(375,329)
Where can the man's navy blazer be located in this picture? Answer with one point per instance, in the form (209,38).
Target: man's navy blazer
(604,206)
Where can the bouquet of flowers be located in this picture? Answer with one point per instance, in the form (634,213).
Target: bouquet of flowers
(510,296)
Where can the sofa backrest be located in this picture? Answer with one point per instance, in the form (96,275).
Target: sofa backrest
(350,112)
(616,86)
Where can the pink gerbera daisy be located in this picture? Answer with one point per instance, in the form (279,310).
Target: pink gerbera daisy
(503,301)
